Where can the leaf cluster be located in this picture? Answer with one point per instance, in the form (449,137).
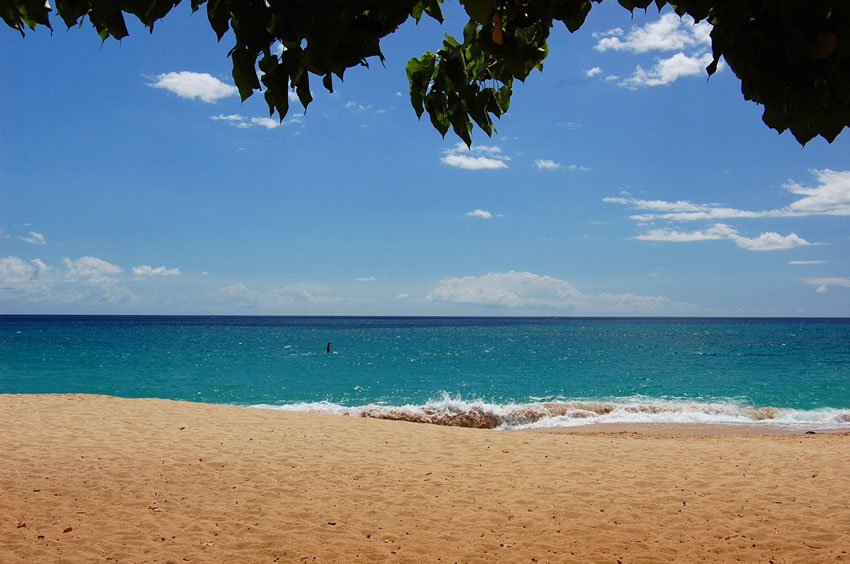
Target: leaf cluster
(792,56)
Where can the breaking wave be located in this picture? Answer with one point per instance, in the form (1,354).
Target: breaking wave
(457,412)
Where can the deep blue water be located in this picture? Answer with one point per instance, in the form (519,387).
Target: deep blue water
(801,364)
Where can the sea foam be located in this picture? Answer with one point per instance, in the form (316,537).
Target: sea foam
(457,412)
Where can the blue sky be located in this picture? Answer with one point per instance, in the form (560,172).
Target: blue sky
(621,182)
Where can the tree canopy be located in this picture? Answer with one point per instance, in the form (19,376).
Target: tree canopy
(791,56)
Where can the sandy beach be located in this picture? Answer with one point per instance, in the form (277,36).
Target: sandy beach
(93,478)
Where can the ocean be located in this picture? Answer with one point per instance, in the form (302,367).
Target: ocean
(481,372)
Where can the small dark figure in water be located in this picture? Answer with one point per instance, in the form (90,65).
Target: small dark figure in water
(328,348)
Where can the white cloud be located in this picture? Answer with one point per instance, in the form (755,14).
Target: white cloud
(268,123)
(241,295)
(806,262)
(235,120)
(533,291)
(769,241)
(15,271)
(483,214)
(546,164)
(402,296)
(366,279)
(34,238)
(195,85)
(293,96)
(668,33)
(39,265)
(830,196)
(145,270)
(89,268)
(823,284)
(228,117)
(88,280)
(98,274)
(666,71)
(480,157)
(24,280)
(590,73)
(244,122)
(355,106)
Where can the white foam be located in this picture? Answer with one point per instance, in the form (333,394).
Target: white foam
(456,411)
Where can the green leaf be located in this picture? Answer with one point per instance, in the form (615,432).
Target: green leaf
(479,10)
(430,7)
(268,63)
(35,12)
(219,16)
(419,75)
(302,89)
(276,82)
(72,10)
(244,73)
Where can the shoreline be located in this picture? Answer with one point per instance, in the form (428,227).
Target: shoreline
(150,479)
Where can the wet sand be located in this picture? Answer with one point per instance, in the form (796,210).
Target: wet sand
(94,478)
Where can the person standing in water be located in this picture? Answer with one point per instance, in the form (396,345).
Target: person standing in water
(328,348)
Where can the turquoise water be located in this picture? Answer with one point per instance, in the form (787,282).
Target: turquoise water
(670,369)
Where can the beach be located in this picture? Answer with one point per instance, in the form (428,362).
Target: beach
(99,478)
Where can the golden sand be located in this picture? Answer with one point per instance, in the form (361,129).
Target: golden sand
(92,478)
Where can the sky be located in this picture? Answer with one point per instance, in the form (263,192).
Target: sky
(622,182)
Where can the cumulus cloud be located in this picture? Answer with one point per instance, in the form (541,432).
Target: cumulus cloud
(34,238)
(830,195)
(546,164)
(479,157)
(24,280)
(823,284)
(768,241)
(668,33)
(87,280)
(806,262)
(666,71)
(590,73)
(355,106)
(147,271)
(244,122)
(235,120)
(195,85)
(691,41)
(89,268)
(483,214)
(268,123)
(99,276)
(533,291)
(15,271)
